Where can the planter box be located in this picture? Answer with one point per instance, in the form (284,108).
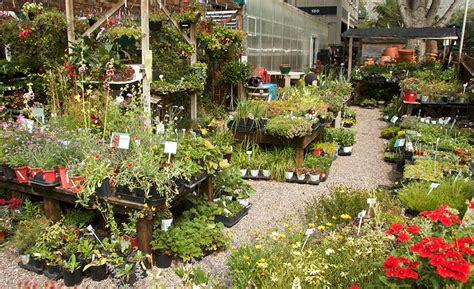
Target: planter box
(232,220)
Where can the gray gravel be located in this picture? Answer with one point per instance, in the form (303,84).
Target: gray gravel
(274,204)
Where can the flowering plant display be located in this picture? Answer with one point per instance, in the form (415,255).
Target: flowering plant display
(434,252)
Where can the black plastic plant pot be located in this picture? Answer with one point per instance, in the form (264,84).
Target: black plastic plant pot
(232,220)
(53,272)
(162,261)
(155,25)
(8,172)
(37,264)
(72,278)
(104,190)
(98,273)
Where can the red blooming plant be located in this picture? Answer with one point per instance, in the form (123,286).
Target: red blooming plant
(434,252)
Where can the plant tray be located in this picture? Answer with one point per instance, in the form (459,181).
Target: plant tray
(154,202)
(295,180)
(390,160)
(31,268)
(38,180)
(195,180)
(259,177)
(231,221)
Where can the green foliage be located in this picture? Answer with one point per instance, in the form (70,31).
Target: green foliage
(234,71)
(229,182)
(389,132)
(457,20)
(289,126)
(342,136)
(343,200)
(72,263)
(369,102)
(328,147)
(388,15)
(77,217)
(454,193)
(318,163)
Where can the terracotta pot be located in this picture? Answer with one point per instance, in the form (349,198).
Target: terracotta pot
(391,51)
(384,59)
(406,55)
(431,56)
(22,174)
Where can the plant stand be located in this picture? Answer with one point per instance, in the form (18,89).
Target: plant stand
(300,144)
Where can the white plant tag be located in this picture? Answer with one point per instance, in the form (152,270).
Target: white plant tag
(120,140)
(171,147)
(432,187)
(394,119)
(310,231)
(361,216)
(371,201)
(160,128)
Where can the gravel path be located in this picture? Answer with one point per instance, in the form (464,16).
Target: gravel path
(274,204)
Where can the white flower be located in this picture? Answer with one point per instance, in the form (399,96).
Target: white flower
(161,77)
(119,99)
(329,251)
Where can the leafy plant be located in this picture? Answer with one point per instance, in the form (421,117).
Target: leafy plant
(289,126)
(454,193)
(72,263)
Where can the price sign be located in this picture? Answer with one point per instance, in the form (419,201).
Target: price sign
(171,147)
(120,140)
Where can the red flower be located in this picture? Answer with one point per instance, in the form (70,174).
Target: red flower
(389,232)
(2,202)
(129,165)
(25,33)
(396,227)
(111,21)
(413,229)
(110,72)
(354,287)
(403,237)
(14,203)
(471,205)
(462,244)
(97,156)
(400,267)
(443,215)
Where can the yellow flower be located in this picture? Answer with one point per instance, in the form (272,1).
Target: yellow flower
(153,209)
(203,131)
(334,218)
(328,224)
(77,97)
(258,247)
(246,258)
(321,228)
(145,206)
(224,164)
(281,236)
(262,264)
(311,225)
(294,246)
(345,217)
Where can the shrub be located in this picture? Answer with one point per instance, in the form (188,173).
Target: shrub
(289,127)
(453,193)
(389,132)
(342,136)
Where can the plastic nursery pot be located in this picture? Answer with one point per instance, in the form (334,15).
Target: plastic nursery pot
(22,174)
(77,183)
(34,172)
(243,172)
(289,175)
(318,152)
(314,178)
(162,260)
(104,190)
(8,172)
(285,68)
(72,278)
(409,96)
(50,176)
(266,173)
(98,273)
(166,224)
(3,235)
(64,179)
(133,240)
(254,173)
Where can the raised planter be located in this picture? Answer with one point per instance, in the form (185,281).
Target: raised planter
(138,196)
(46,178)
(22,174)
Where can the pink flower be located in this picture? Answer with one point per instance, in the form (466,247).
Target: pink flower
(110,72)
(20,118)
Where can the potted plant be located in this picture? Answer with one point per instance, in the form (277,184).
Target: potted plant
(285,68)
(255,164)
(72,273)
(314,175)
(347,140)
(167,219)
(301,175)
(163,255)
(289,172)
(97,265)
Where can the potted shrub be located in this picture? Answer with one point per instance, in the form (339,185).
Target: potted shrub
(347,140)
(314,175)
(289,172)
(72,273)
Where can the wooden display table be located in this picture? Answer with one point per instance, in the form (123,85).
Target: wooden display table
(435,109)
(300,143)
(53,196)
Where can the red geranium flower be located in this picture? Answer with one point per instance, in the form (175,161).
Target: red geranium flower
(97,156)
(471,205)
(397,227)
(354,287)
(129,165)
(14,203)
(403,237)
(25,33)
(2,202)
(413,229)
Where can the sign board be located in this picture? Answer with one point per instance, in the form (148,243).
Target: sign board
(320,10)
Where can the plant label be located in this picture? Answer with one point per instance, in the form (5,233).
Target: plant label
(394,119)
(171,147)
(37,112)
(371,201)
(399,142)
(362,214)
(91,229)
(120,140)
(447,120)
(310,231)
(432,187)
(160,128)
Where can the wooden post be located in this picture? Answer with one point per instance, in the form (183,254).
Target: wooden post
(70,24)
(207,187)
(146,54)
(52,209)
(349,64)
(299,158)
(193,36)
(145,234)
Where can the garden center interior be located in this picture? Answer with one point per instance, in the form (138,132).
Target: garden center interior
(236,144)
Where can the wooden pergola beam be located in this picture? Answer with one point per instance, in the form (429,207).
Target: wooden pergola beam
(102,19)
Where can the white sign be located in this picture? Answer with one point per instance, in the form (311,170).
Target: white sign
(120,140)
(432,187)
(171,147)
(394,119)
